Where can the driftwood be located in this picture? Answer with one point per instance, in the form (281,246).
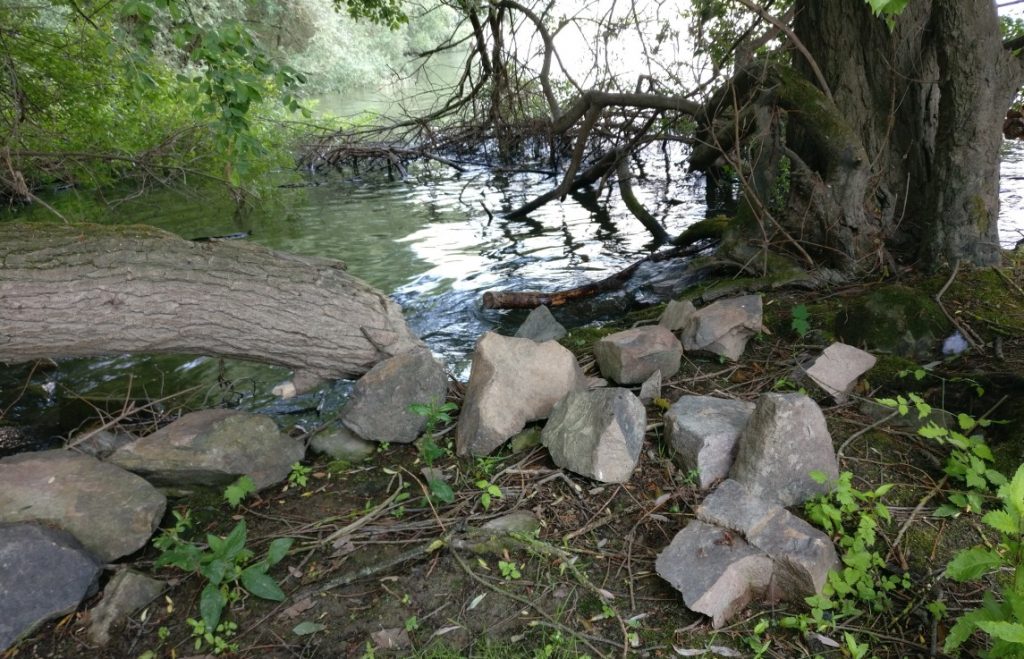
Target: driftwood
(531,299)
(87,290)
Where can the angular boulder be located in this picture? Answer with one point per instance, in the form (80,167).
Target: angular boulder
(783,442)
(44,573)
(597,433)
(541,326)
(110,511)
(212,448)
(512,381)
(127,592)
(378,408)
(716,571)
(705,431)
(651,388)
(837,368)
(677,315)
(803,555)
(724,327)
(632,356)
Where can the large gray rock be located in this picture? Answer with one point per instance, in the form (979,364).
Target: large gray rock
(343,444)
(704,431)
(212,448)
(513,381)
(597,433)
(110,511)
(784,441)
(44,573)
(803,555)
(127,592)
(724,327)
(633,355)
(378,409)
(677,315)
(837,368)
(716,571)
(541,326)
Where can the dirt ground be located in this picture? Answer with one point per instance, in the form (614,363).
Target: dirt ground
(585,584)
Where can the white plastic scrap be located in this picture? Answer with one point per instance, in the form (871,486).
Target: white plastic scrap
(954,344)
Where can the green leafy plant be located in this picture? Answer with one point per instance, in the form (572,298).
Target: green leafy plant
(237,491)
(851,517)
(756,641)
(217,638)
(435,415)
(411,624)
(1000,618)
(489,492)
(509,570)
(299,475)
(800,322)
(228,567)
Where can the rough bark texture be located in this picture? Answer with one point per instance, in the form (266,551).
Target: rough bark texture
(927,101)
(76,291)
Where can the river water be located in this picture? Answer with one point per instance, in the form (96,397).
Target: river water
(427,240)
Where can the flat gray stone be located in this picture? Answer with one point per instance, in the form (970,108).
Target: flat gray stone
(677,314)
(803,555)
(836,369)
(378,408)
(724,327)
(512,382)
(541,326)
(633,355)
(784,441)
(343,444)
(127,592)
(100,443)
(705,431)
(110,511)
(212,448)
(597,433)
(44,573)
(716,571)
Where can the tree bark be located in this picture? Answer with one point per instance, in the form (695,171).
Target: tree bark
(927,101)
(87,290)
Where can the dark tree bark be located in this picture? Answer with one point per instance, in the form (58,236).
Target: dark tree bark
(79,291)
(926,102)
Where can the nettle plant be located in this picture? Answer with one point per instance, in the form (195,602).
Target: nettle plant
(1000,618)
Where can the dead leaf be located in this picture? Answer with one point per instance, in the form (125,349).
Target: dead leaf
(297,609)
(391,639)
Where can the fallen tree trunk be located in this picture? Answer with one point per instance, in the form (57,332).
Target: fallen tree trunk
(88,290)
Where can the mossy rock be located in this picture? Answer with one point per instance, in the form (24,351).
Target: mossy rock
(894,319)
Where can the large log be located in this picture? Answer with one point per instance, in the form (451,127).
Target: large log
(87,290)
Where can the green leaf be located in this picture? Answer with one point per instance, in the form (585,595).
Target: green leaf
(215,570)
(972,563)
(235,542)
(278,550)
(238,490)
(932,431)
(211,604)
(962,630)
(441,490)
(1002,521)
(261,584)
(485,500)
(1011,632)
(307,628)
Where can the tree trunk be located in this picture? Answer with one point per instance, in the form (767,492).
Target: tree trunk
(927,101)
(80,291)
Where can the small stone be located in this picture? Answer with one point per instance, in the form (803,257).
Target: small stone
(677,314)
(127,592)
(597,433)
(651,388)
(100,443)
(519,521)
(836,370)
(512,382)
(705,431)
(724,327)
(391,639)
(632,356)
(541,326)
(784,441)
(716,571)
(378,408)
(44,573)
(527,439)
(343,444)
